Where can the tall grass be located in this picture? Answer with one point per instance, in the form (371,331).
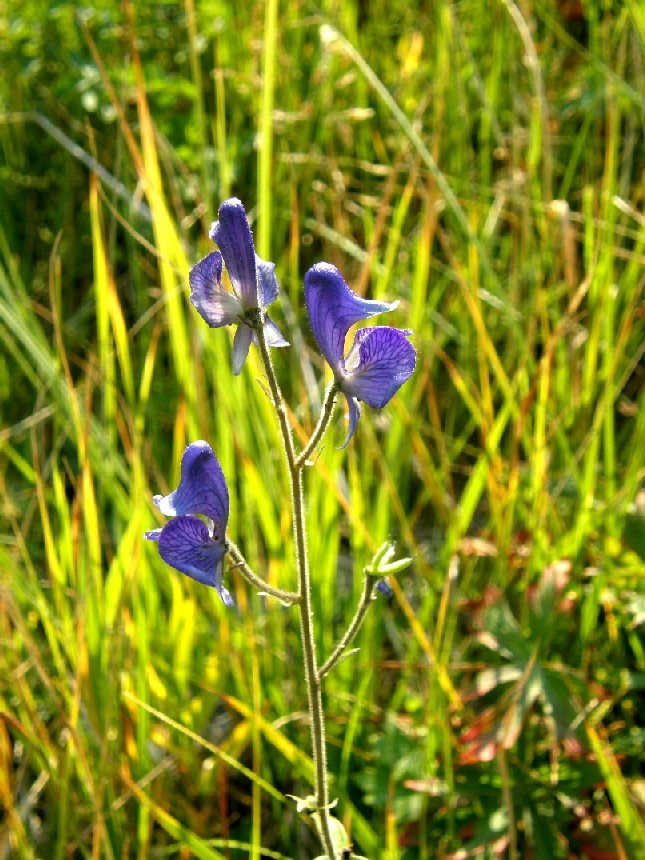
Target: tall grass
(483,164)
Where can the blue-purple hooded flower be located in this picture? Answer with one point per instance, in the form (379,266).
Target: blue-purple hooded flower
(381,358)
(187,543)
(253,281)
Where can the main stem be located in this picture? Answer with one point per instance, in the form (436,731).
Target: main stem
(312,677)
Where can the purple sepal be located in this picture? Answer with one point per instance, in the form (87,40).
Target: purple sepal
(241,346)
(202,489)
(267,283)
(232,234)
(354,414)
(333,308)
(185,543)
(378,364)
(253,280)
(216,306)
(272,334)
(381,358)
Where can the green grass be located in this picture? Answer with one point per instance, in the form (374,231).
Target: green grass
(482,164)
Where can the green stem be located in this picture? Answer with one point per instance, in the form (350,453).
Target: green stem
(325,416)
(312,678)
(356,623)
(257,581)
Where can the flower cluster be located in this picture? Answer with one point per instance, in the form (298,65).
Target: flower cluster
(380,360)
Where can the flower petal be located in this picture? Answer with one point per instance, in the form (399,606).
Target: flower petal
(202,489)
(333,308)
(273,334)
(354,415)
(225,596)
(215,305)
(380,361)
(267,283)
(241,344)
(232,234)
(185,544)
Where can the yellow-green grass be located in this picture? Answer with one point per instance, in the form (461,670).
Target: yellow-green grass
(483,165)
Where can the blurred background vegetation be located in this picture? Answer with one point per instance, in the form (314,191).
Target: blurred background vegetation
(483,163)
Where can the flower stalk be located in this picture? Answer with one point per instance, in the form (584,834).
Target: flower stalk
(374,574)
(323,422)
(369,586)
(194,540)
(287,597)
(312,674)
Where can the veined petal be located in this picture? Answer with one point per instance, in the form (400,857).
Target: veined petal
(215,305)
(354,414)
(153,534)
(380,361)
(202,489)
(241,344)
(185,544)
(232,234)
(333,308)
(267,283)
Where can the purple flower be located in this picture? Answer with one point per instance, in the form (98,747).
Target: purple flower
(385,588)
(187,543)
(381,358)
(253,281)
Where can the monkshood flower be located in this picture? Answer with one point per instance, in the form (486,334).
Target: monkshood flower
(381,358)
(253,281)
(186,542)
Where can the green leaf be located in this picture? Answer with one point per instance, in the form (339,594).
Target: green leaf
(339,838)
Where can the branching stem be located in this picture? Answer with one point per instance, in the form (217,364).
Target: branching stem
(323,422)
(257,581)
(312,676)
(355,625)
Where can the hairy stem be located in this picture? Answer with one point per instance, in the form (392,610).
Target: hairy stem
(257,581)
(359,616)
(312,678)
(323,422)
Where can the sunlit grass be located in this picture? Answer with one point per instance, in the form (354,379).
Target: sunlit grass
(483,166)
